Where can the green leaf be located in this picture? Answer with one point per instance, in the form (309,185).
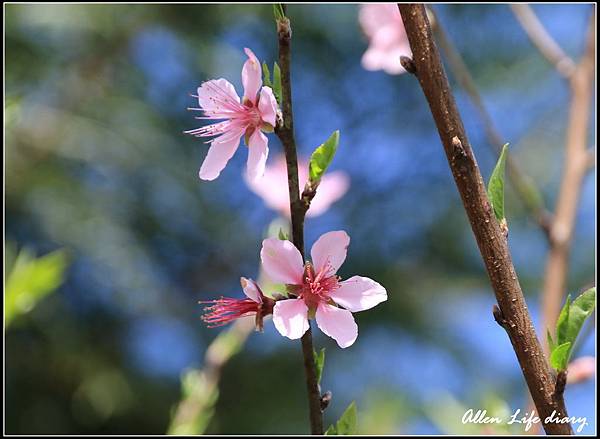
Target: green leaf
(570,321)
(496,186)
(278,11)
(347,424)
(563,322)
(331,431)
(551,343)
(30,280)
(277,82)
(580,310)
(319,363)
(559,358)
(266,75)
(322,156)
(283,235)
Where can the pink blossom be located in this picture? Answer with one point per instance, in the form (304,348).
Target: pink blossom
(255,113)
(581,369)
(384,28)
(317,289)
(273,188)
(222,311)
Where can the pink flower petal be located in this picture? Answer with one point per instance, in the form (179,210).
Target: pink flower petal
(272,187)
(251,76)
(373,16)
(337,323)
(384,28)
(290,318)
(267,105)
(251,289)
(387,60)
(282,261)
(220,151)
(333,186)
(212,94)
(258,151)
(359,293)
(329,251)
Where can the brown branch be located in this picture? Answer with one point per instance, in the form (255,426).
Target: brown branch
(528,193)
(512,310)
(576,165)
(285,132)
(542,40)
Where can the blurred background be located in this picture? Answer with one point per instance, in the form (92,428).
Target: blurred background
(102,184)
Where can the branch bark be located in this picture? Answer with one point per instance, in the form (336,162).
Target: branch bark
(511,311)
(285,132)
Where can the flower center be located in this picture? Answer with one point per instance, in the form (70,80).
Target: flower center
(252,114)
(238,116)
(318,286)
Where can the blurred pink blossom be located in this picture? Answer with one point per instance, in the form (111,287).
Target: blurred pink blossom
(383,26)
(317,288)
(581,369)
(273,187)
(255,113)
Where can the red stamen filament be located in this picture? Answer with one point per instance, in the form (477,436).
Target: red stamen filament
(225,310)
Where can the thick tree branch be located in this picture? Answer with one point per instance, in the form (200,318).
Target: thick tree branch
(512,310)
(542,40)
(523,185)
(285,132)
(576,165)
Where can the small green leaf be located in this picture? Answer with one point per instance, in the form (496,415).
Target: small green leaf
(570,321)
(266,75)
(30,280)
(496,186)
(331,431)
(277,82)
(563,322)
(319,363)
(347,424)
(322,156)
(278,11)
(283,235)
(551,343)
(559,358)
(580,310)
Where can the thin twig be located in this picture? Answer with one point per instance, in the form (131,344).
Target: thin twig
(542,40)
(578,160)
(576,165)
(524,186)
(285,132)
(195,410)
(512,310)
